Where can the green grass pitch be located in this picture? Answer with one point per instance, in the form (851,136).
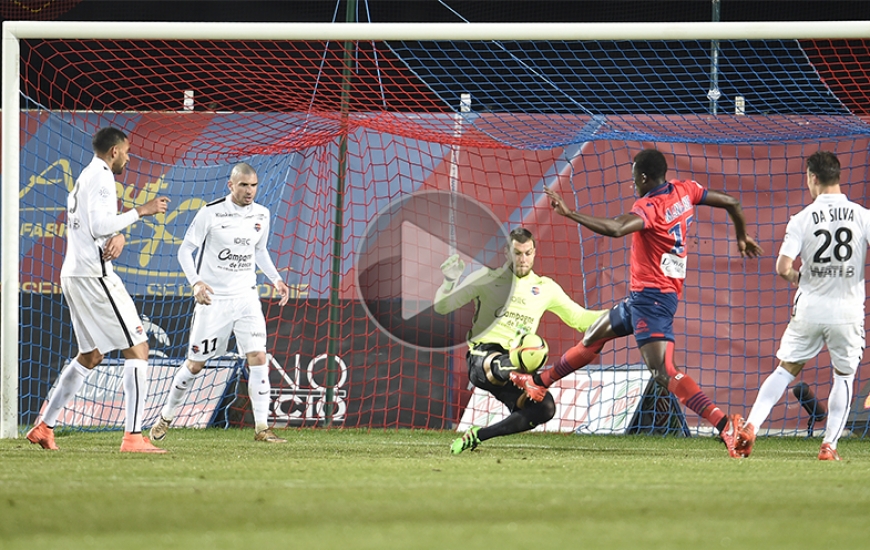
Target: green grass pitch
(350,489)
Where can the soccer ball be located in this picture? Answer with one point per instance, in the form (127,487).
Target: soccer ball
(529,353)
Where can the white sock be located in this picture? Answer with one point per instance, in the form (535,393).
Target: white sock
(71,379)
(769,393)
(135,391)
(180,384)
(839,404)
(260,391)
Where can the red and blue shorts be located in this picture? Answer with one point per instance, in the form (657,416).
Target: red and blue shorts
(648,314)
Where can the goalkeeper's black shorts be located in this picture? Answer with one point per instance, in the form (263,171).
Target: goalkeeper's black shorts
(485,372)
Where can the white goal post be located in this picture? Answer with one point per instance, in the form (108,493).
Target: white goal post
(14,31)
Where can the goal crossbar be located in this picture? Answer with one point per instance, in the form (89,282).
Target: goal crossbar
(438,31)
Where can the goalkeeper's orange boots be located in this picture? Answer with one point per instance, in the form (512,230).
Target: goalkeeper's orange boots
(526,383)
(43,436)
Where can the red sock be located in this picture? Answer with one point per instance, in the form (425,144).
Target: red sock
(575,358)
(690,395)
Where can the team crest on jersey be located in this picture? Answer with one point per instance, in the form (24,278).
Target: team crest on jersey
(139,330)
(194,348)
(257,227)
(536,290)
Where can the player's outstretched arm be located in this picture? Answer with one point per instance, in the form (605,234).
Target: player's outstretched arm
(572,314)
(104,221)
(450,295)
(745,244)
(609,227)
(154,206)
(452,269)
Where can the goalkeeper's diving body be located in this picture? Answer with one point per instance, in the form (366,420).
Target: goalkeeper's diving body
(497,322)
(658,221)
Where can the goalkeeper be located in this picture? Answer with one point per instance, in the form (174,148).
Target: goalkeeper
(497,322)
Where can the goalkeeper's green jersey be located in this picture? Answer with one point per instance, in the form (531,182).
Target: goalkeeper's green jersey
(497,322)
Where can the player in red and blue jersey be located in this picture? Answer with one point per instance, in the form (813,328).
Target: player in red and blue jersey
(659,222)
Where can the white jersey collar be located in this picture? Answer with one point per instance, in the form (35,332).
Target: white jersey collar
(831,197)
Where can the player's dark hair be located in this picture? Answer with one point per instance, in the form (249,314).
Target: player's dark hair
(652,163)
(106,138)
(825,166)
(521,235)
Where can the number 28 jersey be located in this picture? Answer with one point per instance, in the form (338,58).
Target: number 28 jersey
(831,237)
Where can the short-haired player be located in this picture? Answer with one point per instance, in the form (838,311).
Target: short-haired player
(830,236)
(229,236)
(103,314)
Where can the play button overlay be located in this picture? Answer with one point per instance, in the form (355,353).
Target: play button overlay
(399,259)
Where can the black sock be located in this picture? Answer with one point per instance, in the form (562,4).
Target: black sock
(515,422)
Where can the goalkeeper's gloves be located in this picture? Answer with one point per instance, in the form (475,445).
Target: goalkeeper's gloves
(452,268)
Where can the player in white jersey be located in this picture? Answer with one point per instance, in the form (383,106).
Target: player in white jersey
(103,315)
(229,236)
(497,323)
(831,237)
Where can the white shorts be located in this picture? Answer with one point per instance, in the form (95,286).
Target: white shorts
(802,341)
(213,324)
(103,315)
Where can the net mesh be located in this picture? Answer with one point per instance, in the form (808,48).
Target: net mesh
(339,130)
